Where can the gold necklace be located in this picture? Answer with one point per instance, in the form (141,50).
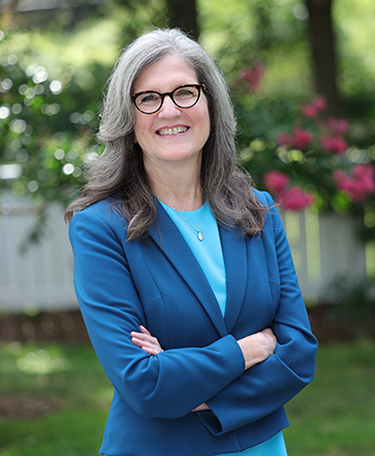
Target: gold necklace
(200,235)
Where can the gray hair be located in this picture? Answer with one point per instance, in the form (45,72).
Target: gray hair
(117,119)
(119,170)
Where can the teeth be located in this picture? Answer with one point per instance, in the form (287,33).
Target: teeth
(171,131)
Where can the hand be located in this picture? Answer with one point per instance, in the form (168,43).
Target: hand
(146,341)
(257,347)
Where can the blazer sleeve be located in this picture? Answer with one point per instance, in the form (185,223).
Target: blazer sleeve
(168,385)
(267,386)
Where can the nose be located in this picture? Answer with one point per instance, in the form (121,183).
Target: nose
(169,109)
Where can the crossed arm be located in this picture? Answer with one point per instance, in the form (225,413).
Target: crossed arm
(255,348)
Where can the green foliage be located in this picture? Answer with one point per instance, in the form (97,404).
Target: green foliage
(50,134)
(238,33)
(262,123)
(47,127)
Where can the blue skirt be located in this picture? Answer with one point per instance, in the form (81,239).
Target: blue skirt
(274,446)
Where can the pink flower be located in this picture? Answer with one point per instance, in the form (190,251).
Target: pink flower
(360,185)
(301,138)
(336,127)
(284,139)
(364,174)
(320,103)
(364,171)
(274,181)
(339,175)
(312,110)
(295,199)
(309,111)
(252,76)
(333,145)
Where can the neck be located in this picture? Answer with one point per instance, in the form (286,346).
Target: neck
(177,187)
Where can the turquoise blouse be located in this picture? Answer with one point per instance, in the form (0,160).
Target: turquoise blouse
(209,255)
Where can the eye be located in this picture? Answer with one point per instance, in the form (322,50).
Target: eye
(148,98)
(186,92)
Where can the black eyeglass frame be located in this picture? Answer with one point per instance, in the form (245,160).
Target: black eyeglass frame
(200,87)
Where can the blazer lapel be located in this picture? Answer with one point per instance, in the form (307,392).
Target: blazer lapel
(236,266)
(173,245)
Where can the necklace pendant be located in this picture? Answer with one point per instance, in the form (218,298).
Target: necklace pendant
(200,236)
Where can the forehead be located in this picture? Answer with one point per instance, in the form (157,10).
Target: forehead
(167,73)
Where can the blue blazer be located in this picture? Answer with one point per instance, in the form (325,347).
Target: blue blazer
(158,283)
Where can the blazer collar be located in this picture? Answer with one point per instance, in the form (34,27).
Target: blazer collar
(173,245)
(166,235)
(236,266)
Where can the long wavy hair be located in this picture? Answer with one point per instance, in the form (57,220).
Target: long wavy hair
(118,173)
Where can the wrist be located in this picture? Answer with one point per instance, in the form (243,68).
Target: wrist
(257,347)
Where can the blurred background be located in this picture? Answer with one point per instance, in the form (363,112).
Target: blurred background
(302,78)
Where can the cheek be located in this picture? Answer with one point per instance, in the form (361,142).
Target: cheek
(138,131)
(206,119)
(206,122)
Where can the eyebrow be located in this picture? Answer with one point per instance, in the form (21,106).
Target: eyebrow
(175,87)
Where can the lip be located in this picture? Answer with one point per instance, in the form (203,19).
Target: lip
(171,127)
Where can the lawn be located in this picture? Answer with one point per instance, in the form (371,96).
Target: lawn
(334,416)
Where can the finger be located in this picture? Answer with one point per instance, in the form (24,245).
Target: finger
(145,343)
(141,335)
(142,341)
(144,330)
(150,348)
(145,339)
(137,342)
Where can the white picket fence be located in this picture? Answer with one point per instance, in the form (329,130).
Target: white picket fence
(323,247)
(41,278)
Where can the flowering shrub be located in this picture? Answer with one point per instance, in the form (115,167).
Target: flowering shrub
(274,181)
(291,198)
(334,130)
(300,139)
(322,138)
(333,145)
(312,110)
(359,185)
(300,155)
(294,198)
(253,75)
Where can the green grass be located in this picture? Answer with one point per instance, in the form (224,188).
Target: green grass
(334,416)
(68,376)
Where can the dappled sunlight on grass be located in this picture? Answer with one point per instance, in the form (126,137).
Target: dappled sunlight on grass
(57,399)
(41,362)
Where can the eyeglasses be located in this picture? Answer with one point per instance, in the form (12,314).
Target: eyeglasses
(185,96)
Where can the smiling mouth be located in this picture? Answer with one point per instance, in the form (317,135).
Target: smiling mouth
(171,131)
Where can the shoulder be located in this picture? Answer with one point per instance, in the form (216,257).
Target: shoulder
(105,212)
(264,198)
(273,222)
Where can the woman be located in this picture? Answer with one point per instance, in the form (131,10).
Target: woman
(182,271)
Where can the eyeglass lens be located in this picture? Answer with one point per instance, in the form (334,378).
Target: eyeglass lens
(183,97)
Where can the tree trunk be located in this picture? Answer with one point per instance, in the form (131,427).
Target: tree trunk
(323,52)
(183,14)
